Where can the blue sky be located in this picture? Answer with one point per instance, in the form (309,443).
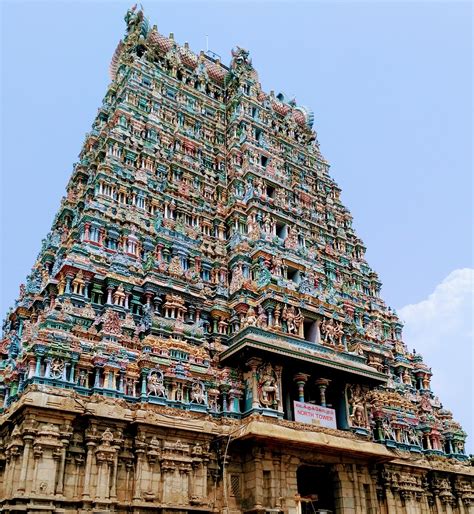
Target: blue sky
(390,85)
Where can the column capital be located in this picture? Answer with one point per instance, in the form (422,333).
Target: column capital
(322,382)
(253,363)
(301,377)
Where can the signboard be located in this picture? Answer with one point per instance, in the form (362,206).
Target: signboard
(315,415)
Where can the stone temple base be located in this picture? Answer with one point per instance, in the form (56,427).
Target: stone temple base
(65,454)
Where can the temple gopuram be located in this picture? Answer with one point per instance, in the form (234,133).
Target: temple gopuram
(201,332)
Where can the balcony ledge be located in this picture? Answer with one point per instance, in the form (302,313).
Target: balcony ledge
(322,441)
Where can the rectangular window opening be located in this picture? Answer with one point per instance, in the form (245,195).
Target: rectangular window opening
(311,330)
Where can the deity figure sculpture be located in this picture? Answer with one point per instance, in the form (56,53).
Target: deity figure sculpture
(327,329)
(129,387)
(132,17)
(293,319)
(175,269)
(241,60)
(280,197)
(291,240)
(261,318)
(406,377)
(111,322)
(154,444)
(263,274)
(250,319)
(44,276)
(197,393)
(413,437)
(358,416)
(22,292)
(371,331)
(387,431)
(399,348)
(82,379)
(258,185)
(268,387)
(425,403)
(155,385)
(57,368)
(332,332)
(253,230)
(149,262)
(458,446)
(277,265)
(178,396)
(338,333)
(304,285)
(237,280)
(214,402)
(158,221)
(267,224)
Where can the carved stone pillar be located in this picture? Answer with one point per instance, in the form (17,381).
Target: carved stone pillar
(140,453)
(253,365)
(37,455)
(257,454)
(113,477)
(168,469)
(61,466)
(86,493)
(25,462)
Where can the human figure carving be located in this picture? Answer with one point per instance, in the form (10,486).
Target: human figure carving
(261,318)
(250,319)
(293,319)
(237,280)
(268,386)
(358,416)
(57,368)
(198,394)
(155,385)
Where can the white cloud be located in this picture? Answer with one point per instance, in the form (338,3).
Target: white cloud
(441,329)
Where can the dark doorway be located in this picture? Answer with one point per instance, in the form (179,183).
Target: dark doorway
(316,489)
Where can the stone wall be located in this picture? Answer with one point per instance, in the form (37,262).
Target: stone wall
(61,454)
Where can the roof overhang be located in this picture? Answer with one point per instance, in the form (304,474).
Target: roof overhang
(317,441)
(259,340)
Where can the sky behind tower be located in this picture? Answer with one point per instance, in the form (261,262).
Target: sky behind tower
(390,84)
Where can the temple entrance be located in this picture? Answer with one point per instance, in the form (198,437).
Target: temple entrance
(316,489)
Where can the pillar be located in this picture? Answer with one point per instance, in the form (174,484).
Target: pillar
(71,371)
(25,462)
(87,473)
(62,463)
(253,364)
(144,382)
(322,384)
(38,366)
(300,379)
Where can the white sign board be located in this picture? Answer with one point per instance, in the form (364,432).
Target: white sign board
(315,415)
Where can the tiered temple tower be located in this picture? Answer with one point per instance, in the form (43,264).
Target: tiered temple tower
(201,331)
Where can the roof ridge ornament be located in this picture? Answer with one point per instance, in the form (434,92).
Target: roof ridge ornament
(241,59)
